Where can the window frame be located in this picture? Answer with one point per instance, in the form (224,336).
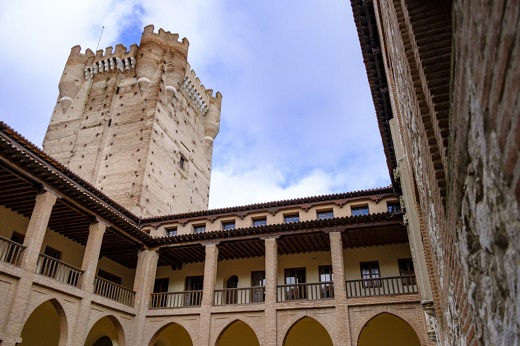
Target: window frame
(227,223)
(325,214)
(355,209)
(370,272)
(199,228)
(393,206)
(262,220)
(288,218)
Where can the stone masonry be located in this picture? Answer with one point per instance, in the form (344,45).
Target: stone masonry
(137,124)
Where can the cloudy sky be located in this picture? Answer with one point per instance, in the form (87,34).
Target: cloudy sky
(297,116)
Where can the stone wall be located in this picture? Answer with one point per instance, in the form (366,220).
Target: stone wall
(472,219)
(484,193)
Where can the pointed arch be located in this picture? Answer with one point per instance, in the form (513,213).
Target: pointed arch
(237,333)
(105,331)
(46,325)
(307,331)
(388,329)
(171,334)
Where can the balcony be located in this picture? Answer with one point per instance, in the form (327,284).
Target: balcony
(175,299)
(113,291)
(10,251)
(405,284)
(247,295)
(58,270)
(307,291)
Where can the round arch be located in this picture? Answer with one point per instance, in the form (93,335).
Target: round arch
(106,331)
(46,325)
(171,334)
(307,332)
(237,333)
(387,329)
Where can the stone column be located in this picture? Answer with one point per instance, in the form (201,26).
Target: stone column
(91,256)
(89,266)
(342,335)
(210,276)
(271,281)
(143,287)
(33,242)
(36,229)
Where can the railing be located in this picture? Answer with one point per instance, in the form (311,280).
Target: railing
(310,291)
(110,290)
(175,299)
(405,284)
(10,251)
(58,270)
(239,295)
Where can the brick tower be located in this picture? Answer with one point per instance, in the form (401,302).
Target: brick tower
(137,124)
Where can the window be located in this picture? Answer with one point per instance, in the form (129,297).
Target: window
(258,285)
(182,162)
(290,218)
(369,271)
(262,221)
(109,276)
(199,228)
(161,285)
(393,207)
(406,269)
(228,225)
(49,251)
(171,232)
(358,211)
(325,214)
(293,278)
(194,285)
(326,276)
(17,237)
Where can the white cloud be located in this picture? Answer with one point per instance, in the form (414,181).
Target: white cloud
(297,117)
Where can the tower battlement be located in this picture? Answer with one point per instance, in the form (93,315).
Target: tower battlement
(138,124)
(163,37)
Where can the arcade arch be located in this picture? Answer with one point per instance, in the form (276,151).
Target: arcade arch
(46,325)
(172,334)
(237,333)
(387,329)
(307,332)
(107,331)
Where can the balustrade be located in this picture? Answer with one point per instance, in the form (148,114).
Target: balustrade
(58,270)
(111,290)
(306,291)
(175,299)
(405,284)
(10,251)
(239,295)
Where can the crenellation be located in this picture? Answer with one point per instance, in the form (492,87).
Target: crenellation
(114,111)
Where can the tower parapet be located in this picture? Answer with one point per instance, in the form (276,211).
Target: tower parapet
(134,123)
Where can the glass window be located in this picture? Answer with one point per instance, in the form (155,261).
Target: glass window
(171,232)
(294,277)
(326,276)
(228,225)
(393,207)
(199,228)
(258,285)
(369,271)
(259,222)
(109,276)
(290,218)
(358,211)
(325,214)
(406,269)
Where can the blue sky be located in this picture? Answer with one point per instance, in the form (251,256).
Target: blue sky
(297,116)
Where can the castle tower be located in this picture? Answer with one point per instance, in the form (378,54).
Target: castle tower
(137,124)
